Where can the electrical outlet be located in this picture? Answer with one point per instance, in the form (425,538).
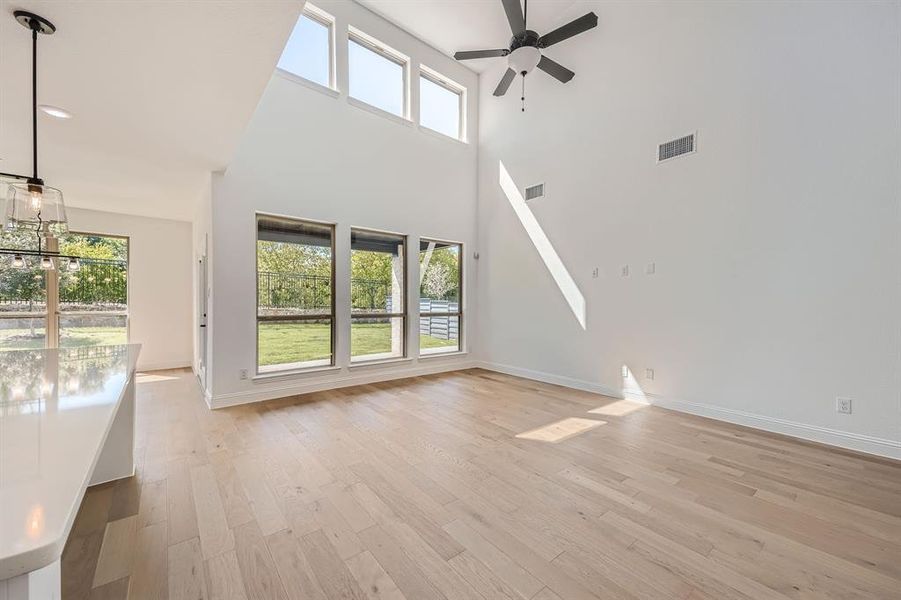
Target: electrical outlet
(595,273)
(625,371)
(243,374)
(649,373)
(651,268)
(843,405)
(625,271)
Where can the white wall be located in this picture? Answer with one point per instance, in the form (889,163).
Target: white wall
(159,282)
(777,285)
(312,155)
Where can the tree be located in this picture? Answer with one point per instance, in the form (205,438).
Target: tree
(436,282)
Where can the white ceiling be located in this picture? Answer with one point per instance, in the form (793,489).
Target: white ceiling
(161,92)
(451,25)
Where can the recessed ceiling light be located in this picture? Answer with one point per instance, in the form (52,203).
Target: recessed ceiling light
(55,111)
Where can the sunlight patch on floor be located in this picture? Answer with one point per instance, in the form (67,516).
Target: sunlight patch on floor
(560,430)
(618,408)
(152,377)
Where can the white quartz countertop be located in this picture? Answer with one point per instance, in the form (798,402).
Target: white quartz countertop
(56,409)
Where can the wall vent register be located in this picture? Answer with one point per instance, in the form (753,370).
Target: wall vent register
(675,148)
(533,192)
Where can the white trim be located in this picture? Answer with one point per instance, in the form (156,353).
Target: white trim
(371,108)
(569,382)
(439,352)
(311,370)
(442,136)
(315,86)
(814,433)
(375,362)
(331,383)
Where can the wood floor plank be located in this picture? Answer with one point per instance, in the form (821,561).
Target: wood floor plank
(117,551)
(292,565)
(186,571)
(223,576)
(261,580)
(331,573)
(420,488)
(263,503)
(149,578)
(372,578)
(215,535)
(182,515)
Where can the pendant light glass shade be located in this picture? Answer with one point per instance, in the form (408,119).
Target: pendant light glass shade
(33,207)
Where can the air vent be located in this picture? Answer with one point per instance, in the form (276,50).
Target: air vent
(675,148)
(534,191)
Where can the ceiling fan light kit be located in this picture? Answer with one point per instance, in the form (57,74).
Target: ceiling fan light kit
(524,53)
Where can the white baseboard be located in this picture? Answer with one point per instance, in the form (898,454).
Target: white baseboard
(162,366)
(814,433)
(332,381)
(578,384)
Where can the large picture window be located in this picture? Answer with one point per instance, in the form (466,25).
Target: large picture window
(440,297)
(295,294)
(378,295)
(87,307)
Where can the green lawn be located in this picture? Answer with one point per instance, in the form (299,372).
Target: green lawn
(281,343)
(25,339)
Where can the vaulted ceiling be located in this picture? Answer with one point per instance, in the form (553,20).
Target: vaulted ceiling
(160,93)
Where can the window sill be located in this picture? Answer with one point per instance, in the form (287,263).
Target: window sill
(379,362)
(441,136)
(443,354)
(294,373)
(316,87)
(378,111)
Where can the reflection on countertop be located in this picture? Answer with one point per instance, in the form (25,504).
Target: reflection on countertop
(56,406)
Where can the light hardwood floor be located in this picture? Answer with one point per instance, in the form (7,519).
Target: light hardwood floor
(473,485)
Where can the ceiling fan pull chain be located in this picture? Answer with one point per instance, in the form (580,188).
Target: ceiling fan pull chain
(523,98)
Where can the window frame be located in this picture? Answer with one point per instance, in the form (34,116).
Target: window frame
(387,52)
(404,292)
(438,79)
(458,314)
(314,13)
(275,318)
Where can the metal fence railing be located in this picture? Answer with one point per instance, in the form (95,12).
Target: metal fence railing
(97,285)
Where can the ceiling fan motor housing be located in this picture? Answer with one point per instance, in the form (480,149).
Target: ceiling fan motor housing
(524,38)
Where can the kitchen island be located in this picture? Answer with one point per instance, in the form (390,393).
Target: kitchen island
(66,422)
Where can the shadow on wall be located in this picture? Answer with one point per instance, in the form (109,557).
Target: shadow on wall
(543,245)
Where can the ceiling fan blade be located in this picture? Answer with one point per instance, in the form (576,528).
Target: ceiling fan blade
(470,54)
(505,82)
(583,23)
(514,16)
(555,69)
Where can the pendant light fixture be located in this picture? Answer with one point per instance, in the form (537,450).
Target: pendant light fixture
(31,205)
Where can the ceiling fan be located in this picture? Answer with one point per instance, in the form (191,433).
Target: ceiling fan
(524,53)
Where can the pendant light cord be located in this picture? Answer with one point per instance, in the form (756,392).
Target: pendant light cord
(34,100)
